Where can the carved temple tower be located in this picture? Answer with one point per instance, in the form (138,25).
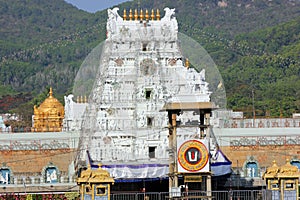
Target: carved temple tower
(141,69)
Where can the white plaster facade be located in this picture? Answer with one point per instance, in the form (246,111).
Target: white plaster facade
(141,68)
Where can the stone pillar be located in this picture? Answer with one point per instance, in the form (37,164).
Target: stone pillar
(174,145)
(32,179)
(208,186)
(15,179)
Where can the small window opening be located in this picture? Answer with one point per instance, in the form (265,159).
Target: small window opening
(149,121)
(274,186)
(289,186)
(88,189)
(148,94)
(252,169)
(100,191)
(51,175)
(152,152)
(144,48)
(4,176)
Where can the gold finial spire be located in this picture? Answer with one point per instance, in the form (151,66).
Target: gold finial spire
(187,63)
(135,14)
(50,92)
(81,99)
(130,14)
(157,15)
(152,14)
(147,15)
(141,15)
(124,15)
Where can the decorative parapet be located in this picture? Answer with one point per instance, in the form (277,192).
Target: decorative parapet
(255,142)
(45,142)
(258,123)
(139,26)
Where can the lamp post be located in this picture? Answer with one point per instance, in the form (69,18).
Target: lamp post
(253,108)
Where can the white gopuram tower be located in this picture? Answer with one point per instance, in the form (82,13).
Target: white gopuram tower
(140,70)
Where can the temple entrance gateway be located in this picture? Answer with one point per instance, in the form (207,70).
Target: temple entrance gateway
(191,159)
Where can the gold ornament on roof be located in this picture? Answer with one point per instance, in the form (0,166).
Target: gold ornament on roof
(141,15)
(157,15)
(272,171)
(48,117)
(152,15)
(124,15)
(187,63)
(135,14)
(130,14)
(288,170)
(147,15)
(95,176)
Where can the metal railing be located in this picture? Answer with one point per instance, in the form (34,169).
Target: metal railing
(215,195)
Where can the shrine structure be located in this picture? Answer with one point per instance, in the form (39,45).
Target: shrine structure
(48,117)
(142,67)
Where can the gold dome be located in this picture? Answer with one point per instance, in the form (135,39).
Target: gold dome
(49,115)
(51,104)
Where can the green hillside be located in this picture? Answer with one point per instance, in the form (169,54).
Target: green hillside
(255,44)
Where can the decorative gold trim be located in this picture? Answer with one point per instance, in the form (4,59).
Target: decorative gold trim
(152,15)
(135,15)
(141,15)
(157,15)
(124,15)
(130,14)
(147,15)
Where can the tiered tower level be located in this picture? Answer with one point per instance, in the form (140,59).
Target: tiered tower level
(141,68)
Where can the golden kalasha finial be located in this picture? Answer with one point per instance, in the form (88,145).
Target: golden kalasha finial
(135,14)
(147,15)
(77,99)
(50,92)
(157,15)
(85,99)
(130,14)
(124,15)
(141,15)
(152,14)
(81,99)
(187,63)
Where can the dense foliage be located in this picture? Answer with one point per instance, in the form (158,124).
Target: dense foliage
(255,44)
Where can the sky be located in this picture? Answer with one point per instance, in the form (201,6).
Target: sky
(94,5)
